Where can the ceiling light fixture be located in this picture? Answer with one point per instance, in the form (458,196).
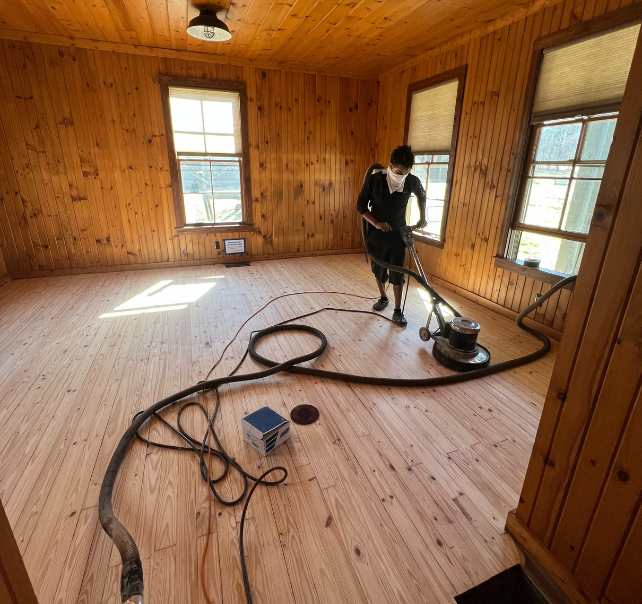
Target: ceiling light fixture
(207,26)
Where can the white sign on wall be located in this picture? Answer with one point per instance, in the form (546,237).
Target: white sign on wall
(234,246)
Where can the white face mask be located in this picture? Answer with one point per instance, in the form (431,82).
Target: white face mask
(395,181)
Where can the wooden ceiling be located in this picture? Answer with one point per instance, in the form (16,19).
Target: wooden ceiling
(364,36)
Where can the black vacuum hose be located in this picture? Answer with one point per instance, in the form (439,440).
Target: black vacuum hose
(132,573)
(132,586)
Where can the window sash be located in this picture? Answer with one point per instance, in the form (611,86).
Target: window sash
(212,160)
(203,95)
(440,202)
(518,222)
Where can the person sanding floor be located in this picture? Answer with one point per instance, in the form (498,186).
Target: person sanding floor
(382,202)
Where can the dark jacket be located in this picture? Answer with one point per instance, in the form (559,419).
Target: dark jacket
(387,207)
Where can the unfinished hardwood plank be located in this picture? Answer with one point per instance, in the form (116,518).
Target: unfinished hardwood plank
(300,532)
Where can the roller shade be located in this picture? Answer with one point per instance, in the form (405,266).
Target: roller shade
(585,77)
(206,121)
(432,115)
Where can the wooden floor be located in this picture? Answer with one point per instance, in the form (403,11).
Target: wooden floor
(394,495)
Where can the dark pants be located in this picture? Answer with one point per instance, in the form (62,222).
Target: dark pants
(390,248)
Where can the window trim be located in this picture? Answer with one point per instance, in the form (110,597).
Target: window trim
(177,188)
(459,73)
(627,15)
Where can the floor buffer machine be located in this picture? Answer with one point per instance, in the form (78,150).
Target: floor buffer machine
(454,342)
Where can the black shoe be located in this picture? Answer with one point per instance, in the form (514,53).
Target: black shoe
(399,319)
(380,304)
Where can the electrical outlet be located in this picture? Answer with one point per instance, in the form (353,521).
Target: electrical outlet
(217,245)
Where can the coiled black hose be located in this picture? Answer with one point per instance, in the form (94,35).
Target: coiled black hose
(132,572)
(132,586)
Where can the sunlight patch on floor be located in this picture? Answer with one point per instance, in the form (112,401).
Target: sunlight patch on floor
(161,297)
(425,296)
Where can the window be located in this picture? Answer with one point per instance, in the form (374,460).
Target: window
(432,124)
(574,113)
(560,189)
(210,171)
(432,170)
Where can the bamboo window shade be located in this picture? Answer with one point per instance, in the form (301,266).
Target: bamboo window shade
(205,120)
(586,77)
(432,116)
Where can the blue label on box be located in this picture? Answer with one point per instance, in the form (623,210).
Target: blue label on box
(265,420)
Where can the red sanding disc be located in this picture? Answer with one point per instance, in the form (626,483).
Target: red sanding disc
(304,414)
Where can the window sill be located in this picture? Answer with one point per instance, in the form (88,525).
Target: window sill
(540,274)
(428,240)
(215,228)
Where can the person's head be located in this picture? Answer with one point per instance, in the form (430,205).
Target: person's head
(402,159)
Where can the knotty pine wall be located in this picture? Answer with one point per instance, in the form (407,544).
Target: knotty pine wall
(498,65)
(582,496)
(3,266)
(84,173)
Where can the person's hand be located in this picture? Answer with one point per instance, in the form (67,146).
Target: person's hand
(383,226)
(422,223)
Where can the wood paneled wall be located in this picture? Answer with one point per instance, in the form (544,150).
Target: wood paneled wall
(498,66)
(84,172)
(3,266)
(583,490)
(15,585)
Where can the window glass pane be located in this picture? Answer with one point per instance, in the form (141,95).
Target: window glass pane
(442,159)
(196,177)
(554,254)
(544,201)
(437,182)
(580,205)
(226,176)
(199,207)
(589,171)
(228,208)
(186,115)
(194,143)
(421,172)
(434,212)
(599,136)
(423,159)
(197,191)
(219,117)
(227,191)
(558,143)
(552,170)
(219,144)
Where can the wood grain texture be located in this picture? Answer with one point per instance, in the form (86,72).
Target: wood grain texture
(15,585)
(394,495)
(364,37)
(85,181)
(582,493)
(496,82)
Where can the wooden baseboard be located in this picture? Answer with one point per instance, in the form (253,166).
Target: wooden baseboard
(4,279)
(502,310)
(152,265)
(555,582)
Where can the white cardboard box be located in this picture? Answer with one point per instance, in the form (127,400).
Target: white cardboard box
(265,430)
